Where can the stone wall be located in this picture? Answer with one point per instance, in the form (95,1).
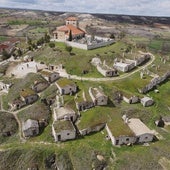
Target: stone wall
(95,128)
(154,82)
(85,46)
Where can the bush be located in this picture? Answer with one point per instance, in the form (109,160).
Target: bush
(51,44)
(68,48)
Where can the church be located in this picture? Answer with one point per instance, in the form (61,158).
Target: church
(71,27)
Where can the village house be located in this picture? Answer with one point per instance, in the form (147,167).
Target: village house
(147,101)
(124,66)
(142,132)
(83,101)
(50,76)
(71,27)
(131,99)
(83,105)
(8,45)
(39,86)
(30,128)
(98,96)
(66,86)
(64,113)
(63,130)
(129,131)
(16,104)
(120,135)
(28,96)
(106,70)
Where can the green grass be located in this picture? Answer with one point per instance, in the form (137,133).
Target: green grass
(38,111)
(49,92)
(156,44)
(131,83)
(38,30)
(28,21)
(93,117)
(75,64)
(3,38)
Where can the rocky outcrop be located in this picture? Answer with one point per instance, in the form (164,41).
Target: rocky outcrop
(154,82)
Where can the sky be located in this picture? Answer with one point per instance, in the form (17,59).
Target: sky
(129,7)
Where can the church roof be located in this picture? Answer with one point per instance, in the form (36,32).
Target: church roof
(68,28)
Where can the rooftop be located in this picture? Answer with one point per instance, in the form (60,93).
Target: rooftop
(119,128)
(97,92)
(68,28)
(138,127)
(62,111)
(3,47)
(27,92)
(47,72)
(65,82)
(63,125)
(72,19)
(120,64)
(30,123)
(145,99)
(92,117)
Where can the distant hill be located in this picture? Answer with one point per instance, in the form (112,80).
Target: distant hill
(132,19)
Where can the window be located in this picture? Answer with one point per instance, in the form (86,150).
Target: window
(68,134)
(127,139)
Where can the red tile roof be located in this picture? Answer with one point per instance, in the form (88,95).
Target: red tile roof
(3,47)
(74,30)
(72,19)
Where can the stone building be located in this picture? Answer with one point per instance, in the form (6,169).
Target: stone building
(131,99)
(39,86)
(64,113)
(72,25)
(30,128)
(83,101)
(63,130)
(147,101)
(28,96)
(106,70)
(124,66)
(142,132)
(66,86)
(50,76)
(98,97)
(129,131)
